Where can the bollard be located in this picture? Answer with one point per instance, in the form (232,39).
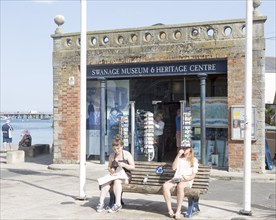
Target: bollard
(16,156)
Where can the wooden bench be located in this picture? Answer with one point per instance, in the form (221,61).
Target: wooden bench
(155,182)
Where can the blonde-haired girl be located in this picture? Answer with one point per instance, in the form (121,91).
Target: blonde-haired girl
(186,167)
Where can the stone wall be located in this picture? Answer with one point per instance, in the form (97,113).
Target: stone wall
(187,42)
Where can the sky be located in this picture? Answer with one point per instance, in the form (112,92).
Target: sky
(26,29)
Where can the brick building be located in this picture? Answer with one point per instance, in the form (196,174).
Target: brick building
(158,68)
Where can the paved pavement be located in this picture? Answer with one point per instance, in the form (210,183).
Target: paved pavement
(38,189)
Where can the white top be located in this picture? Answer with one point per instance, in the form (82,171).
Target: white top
(158,127)
(184,169)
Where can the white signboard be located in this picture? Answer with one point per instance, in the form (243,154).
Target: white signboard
(238,123)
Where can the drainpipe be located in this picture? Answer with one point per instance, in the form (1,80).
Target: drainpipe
(202,77)
(132,113)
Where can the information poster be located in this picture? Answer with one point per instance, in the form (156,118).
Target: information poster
(221,146)
(117,111)
(238,122)
(210,150)
(93,118)
(216,111)
(117,100)
(196,148)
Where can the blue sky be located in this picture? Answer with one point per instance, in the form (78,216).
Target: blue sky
(26,45)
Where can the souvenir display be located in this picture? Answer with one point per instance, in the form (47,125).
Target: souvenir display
(149,135)
(187,125)
(123,129)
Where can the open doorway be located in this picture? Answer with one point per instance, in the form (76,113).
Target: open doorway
(160,95)
(169,112)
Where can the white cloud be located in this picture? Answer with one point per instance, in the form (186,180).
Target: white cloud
(44,1)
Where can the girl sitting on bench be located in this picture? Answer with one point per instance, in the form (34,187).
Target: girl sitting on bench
(186,167)
(118,160)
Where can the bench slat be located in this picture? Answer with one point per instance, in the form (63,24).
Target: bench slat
(167,167)
(166,176)
(160,181)
(138,188)
(155,182)
(157,189)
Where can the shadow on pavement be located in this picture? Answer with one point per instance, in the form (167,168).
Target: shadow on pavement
(32,172)
(157,207)
(45,159)
(135,204)
(40,187)
(263,208)
(220,208)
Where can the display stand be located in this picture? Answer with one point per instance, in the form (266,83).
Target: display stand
(149,136)
(187,132)
(139,135)
(123,129)
(187,125)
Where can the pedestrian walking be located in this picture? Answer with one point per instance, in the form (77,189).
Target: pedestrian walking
(7,135)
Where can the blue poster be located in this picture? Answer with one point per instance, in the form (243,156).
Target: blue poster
(117,107)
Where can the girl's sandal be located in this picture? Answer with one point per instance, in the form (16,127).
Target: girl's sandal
(177,216)
(171,214)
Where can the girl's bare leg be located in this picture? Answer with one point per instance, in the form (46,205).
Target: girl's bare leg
(104,190)
(180,198)
(167,196)
(117,189)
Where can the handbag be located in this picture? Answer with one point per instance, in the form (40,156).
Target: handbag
(10,133)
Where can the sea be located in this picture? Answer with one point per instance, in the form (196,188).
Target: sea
(41,130)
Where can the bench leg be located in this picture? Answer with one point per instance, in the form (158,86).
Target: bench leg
(193,207)
(196,205)
(111,199)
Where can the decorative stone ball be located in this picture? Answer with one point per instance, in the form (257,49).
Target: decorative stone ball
(59,20)
(257,3)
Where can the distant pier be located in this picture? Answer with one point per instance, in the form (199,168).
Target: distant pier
(26,115)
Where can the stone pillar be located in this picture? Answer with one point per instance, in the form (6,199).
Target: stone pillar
(102,120)
(202,77)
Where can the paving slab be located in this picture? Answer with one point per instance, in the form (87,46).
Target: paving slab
(38,189)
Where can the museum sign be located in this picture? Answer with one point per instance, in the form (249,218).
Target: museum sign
(157,69)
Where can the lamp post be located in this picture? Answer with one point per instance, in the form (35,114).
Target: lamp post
(248,111)
(82,195)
